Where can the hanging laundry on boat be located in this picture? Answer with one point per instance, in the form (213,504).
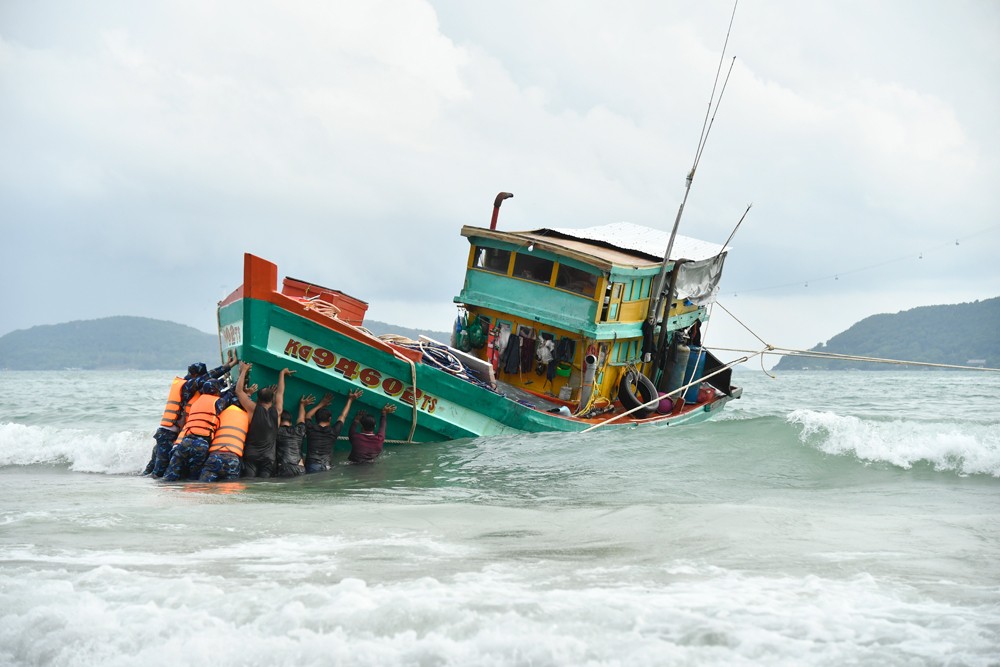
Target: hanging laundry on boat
(511,359)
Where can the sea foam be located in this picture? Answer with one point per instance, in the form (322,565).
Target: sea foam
(502,615)
(111,452)
(969,450)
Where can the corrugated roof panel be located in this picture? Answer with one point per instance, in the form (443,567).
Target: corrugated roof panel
(649,241)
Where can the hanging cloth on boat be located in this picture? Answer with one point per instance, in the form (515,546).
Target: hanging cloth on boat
(550,370)
(511,359)
(504,336)
(527,350)
(694,333)
(546,348)
(564,351)
(647,340)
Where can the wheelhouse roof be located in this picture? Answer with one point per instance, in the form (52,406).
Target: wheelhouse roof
(616,244)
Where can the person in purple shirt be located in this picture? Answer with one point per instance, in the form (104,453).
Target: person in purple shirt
(366,444)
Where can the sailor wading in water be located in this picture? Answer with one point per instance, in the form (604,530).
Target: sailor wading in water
(321,435)
(225,452)
(289,440)
(259,452)
(182,393)
(187,457)
(366,445)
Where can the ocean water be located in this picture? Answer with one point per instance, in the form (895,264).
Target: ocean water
(823,519)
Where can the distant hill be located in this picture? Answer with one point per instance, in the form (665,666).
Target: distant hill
(127,343)
(963,334)
(110,343)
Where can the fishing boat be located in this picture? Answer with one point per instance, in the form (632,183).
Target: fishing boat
(556,330)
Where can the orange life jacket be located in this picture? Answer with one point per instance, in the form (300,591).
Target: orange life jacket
(202,420)
(172,412)
(187,411)
(232,431)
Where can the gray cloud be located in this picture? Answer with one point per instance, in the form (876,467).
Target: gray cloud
(146,147)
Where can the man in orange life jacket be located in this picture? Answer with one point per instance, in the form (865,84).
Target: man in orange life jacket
(259,452)
(183,391)
(187,457)
(226,449)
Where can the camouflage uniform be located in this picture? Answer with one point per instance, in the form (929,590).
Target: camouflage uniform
(186,459)
(220,466)
(165,439)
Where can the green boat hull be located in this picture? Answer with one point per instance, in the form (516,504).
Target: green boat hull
(437,406)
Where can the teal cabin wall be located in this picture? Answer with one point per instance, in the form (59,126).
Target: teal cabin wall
(528,300)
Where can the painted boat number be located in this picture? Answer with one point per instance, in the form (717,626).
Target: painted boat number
(355,372)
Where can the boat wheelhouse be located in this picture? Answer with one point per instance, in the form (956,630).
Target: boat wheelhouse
(588,294)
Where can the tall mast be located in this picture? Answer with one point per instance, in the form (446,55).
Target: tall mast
(706,128)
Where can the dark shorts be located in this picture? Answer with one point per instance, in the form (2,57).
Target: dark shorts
(253,467)
(220,466)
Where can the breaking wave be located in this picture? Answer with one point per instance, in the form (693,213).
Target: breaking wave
(111,452)
(968,449)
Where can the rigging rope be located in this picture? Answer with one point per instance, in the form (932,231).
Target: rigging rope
(816,354)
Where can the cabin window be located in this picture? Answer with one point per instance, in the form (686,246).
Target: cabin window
(612,302)
(577,281)
(530,267)
(626,351)
(492,259)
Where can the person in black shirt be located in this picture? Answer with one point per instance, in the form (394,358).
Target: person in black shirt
(289,440)
(259,451)
(321,436)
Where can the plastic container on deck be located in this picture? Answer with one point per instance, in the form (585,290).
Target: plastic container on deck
(695,369)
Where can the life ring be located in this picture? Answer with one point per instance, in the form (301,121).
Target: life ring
(628,397)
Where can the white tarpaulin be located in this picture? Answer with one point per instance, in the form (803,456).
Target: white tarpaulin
(698,282)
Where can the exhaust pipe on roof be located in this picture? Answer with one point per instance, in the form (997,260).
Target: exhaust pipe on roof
(496,207)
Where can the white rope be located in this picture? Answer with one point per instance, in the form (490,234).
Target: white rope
(413,377)
(675,391)
(813,354)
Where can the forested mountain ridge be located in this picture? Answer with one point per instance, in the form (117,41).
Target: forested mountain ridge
(127,343)
(962,334)
(110,343)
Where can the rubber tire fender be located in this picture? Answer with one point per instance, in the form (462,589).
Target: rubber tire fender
(646,389)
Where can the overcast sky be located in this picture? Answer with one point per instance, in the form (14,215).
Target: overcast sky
(144,146)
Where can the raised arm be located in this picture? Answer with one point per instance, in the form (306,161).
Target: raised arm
(224,369)
(347,406)
(387,410)
(279,392)
(323,402)
(303,402)
(241,392)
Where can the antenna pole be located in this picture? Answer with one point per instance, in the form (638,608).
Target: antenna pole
(702,140)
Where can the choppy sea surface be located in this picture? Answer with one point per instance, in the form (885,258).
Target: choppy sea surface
(823,519)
